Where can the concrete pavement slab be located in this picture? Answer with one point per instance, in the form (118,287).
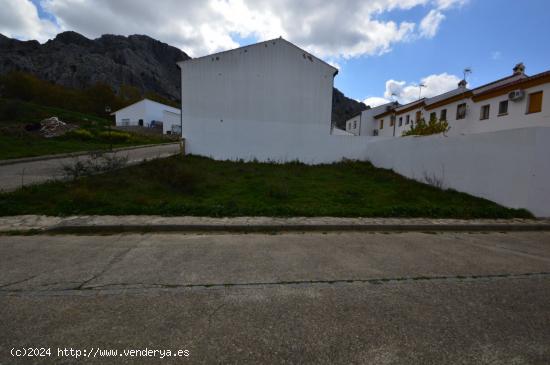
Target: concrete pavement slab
(498,321)
(311,298)
(155,260)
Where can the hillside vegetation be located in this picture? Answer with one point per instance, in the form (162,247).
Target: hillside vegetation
(90,132)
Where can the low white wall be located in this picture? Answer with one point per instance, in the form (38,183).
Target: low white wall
(264,141)
(510,167)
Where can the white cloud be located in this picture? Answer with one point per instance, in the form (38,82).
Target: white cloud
(375,101)
(19,19)
(334,64)
(407,92)
(430,23)
(333,30)
(447,4)
(496,55)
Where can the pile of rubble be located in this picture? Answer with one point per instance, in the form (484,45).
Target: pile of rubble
(53,127)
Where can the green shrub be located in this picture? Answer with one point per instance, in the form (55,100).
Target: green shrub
(11,109)
(422,128)
(81,134)
(177,176)
(115,136)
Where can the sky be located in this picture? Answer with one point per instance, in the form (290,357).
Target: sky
(383,48)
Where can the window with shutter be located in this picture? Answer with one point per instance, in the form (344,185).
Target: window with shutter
(535,102)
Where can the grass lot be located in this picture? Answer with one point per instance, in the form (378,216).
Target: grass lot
(17,142)
(199,186)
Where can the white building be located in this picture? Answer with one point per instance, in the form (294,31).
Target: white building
(363,124)
(515,101)
(268,101)
(147,112)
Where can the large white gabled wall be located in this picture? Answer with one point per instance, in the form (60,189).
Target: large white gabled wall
(268,101)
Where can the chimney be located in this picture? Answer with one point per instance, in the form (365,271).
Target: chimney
(519,69)
(462,84)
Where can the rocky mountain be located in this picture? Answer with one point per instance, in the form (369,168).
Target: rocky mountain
(72,60)
(344,108)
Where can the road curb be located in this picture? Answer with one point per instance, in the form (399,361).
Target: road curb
(269,228)
(76,154)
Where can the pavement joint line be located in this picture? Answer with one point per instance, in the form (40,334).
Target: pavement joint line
(117,258)
(373,281)
(269,228)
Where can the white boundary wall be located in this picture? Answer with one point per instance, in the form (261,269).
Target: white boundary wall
(275,141)
(510,167)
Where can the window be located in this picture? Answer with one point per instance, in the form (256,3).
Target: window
(433,116)
(392,121)
(407,119)
(400,121)
(382,124)
(461,111)
(503,107)
(484,112)
(418,116)
(443,114)
(535,102)
(354,124)
(125,122)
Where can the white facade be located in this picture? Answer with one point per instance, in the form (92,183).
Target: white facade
(353,125)
(271,100)
(364,124)
(477,118)
(393,123)
(145,111)
(510,167)
(516,117)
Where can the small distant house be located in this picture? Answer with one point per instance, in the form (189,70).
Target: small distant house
(362,123)
(148,113)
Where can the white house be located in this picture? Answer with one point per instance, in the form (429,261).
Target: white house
(353,125)
(147,112)
(515,101)
(363,123)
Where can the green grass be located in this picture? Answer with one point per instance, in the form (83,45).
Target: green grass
(199,186)
(16,142)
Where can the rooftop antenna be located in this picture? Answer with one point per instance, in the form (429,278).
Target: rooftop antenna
(420,86)
(467,71)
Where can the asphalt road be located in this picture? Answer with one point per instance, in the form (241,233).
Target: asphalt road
(365,298)
(14,176)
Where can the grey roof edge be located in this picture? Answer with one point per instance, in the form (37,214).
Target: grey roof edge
(179,63)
